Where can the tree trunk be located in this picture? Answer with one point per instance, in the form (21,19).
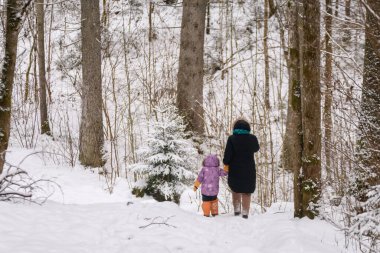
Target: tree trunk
(91,137)
(190,73)
(27,74)
(208,26)
(45,128)
(346,29)
(151,33)
(293,135)
(272,8)
(311,108)
(266,56)
(329,89)
(370,114)
(372,20)
(7,73)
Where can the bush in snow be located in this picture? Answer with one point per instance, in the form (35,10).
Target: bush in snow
(17,186)
(167,159)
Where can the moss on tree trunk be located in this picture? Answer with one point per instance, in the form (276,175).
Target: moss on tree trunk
(7,73)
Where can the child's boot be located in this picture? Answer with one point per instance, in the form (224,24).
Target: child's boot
(214,207)
(206,207)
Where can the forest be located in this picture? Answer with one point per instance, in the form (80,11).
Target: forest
(133,94)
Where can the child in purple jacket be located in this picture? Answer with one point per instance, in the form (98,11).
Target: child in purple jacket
(209,178)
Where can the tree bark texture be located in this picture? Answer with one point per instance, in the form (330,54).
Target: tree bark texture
(293,136)
(328,125)
(13,19)
(266,56)
(190,73)
(370,104)
(272,8)
(311,108)
(208,26)
(91,136)
(45,128)
(346,29)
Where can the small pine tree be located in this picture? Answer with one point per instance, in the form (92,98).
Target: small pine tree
(366,224)
(167,160)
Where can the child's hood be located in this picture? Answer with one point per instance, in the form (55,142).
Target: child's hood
(211,161)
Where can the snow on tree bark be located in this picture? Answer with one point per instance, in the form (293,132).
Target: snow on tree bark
(311,108)
(293,136)
(370,104)
(15,10)
(365,183)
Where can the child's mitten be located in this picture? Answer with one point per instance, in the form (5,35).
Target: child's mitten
(196,185)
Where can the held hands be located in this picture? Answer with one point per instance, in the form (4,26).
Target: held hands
(196,185)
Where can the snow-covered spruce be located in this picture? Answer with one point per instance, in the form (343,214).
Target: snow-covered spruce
(168,158)
(366,224)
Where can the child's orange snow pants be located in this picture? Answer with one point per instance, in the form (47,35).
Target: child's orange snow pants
(210,207)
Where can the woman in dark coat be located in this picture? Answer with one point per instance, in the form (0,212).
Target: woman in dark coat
(240,163)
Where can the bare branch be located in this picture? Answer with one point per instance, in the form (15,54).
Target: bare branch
(17,185)
(155,222)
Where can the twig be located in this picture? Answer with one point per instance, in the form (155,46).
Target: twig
(164,222)
(16,184)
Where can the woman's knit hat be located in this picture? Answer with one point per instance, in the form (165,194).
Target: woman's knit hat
(242,124)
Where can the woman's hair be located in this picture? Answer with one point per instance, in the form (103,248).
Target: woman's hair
(242,124)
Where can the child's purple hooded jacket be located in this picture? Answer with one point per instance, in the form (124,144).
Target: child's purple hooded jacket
(209,176)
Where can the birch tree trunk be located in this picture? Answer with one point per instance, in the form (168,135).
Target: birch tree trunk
(91,136)
(39,5)
(311,108)
(190,73)
(13,19)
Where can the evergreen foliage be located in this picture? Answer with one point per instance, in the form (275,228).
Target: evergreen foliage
(366,224)
(168,158)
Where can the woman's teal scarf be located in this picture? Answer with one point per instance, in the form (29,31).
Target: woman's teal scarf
(240,131)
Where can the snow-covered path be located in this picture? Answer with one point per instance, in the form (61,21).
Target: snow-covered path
(119,228)
(88,219)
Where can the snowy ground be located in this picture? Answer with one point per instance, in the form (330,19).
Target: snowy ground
(88,219)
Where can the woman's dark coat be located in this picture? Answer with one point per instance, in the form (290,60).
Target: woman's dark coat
(239,157)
